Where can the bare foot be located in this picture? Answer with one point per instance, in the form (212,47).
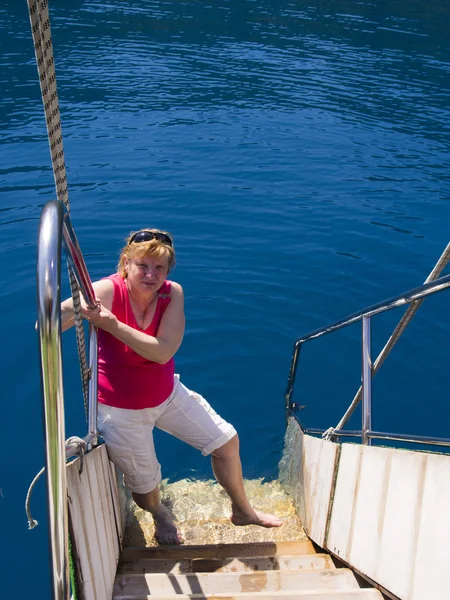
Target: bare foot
(165,530)
(255,517)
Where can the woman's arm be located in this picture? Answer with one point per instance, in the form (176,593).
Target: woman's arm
(159,348)
(104,291)
(67,318)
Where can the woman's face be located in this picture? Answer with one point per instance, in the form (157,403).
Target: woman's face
(147,273)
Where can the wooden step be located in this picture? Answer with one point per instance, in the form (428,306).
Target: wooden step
(228,565)
(360,594)
(167,584)
(219,550)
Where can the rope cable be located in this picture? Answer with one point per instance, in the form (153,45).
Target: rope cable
(81,340)
(43,46)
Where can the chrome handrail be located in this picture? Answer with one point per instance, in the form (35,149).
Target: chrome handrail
(398,437)
(79,269)
(56,231)
(365,315)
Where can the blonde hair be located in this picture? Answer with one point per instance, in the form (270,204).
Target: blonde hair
(153,248)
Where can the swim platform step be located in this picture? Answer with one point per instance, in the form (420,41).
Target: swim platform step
(361,594)
(219,550)
(245,563)
(172,584)
(228,565)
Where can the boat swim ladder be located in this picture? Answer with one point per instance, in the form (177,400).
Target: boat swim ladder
(56,232)
(413,298)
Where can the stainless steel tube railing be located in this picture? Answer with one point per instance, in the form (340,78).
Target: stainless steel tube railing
(55,232)
(76,262)
(396,437)
(365,316)
(366,378)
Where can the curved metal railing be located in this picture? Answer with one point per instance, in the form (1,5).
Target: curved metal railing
(55,232)
(365,316)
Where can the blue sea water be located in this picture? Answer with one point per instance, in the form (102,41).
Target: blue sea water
(299,153)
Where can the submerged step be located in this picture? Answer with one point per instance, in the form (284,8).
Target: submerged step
(360,594)
(202,511)
(228,565)
(219,550)
(172,584)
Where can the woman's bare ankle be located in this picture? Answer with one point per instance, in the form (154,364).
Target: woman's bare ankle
(149,502)
(166,531)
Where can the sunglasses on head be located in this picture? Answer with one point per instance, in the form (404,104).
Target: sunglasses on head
(147,236)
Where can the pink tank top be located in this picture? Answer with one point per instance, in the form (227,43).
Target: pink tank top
(126,379)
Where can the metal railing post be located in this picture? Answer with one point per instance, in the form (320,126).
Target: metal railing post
(366,380)
(56,232)
(76,261)
(49,321)
(93,383)
(289,405)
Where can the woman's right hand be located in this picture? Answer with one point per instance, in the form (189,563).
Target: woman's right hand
(98,315)
(104,291)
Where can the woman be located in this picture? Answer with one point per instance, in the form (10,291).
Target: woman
(140,316)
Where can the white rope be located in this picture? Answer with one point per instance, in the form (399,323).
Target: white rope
(43,47)
(81,341)
(403,323)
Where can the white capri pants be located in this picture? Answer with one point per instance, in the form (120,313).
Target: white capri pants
(129,434)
